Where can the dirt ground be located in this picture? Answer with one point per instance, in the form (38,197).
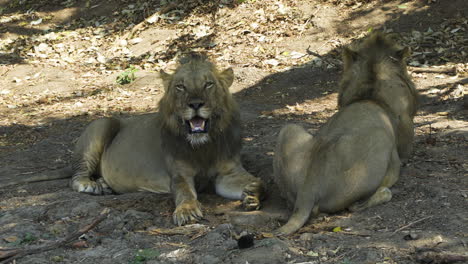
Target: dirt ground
(59,61)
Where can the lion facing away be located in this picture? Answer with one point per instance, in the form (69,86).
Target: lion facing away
(194,139)
(355,157)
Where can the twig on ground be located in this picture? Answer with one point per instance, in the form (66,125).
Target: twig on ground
(449,70)
(10,254)
(410,224)
(329,60)
(308,20)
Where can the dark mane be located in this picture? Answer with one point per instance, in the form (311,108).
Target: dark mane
(193,56)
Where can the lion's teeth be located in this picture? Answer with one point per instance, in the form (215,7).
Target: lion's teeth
(197,124)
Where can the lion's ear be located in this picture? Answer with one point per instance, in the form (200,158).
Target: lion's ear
(349,57)
(227,77)
(166,78)
(403,53)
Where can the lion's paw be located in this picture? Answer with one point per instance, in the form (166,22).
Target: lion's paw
(252,195)
(86,185)
(106,189)
(186,212)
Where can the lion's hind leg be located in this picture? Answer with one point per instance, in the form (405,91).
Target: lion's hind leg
(290,160)
(87,156)
(383,193)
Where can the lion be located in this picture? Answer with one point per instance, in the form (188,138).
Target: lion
(193,140)
(355,157)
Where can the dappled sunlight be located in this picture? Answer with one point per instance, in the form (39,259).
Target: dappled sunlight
(59,62)
(31,200)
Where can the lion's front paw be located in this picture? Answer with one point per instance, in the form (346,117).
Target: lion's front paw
(86,185)
(186,212)
(252,195)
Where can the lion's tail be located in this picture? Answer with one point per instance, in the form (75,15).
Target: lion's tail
(46,176)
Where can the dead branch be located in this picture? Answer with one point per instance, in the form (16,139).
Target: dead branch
(412,223)
(448,70)
(10,254)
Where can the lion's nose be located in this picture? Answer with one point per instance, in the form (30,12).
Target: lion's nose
(196,105)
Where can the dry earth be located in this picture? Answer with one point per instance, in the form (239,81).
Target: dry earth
(59,61)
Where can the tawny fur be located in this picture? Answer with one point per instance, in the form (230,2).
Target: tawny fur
(159,153)
(354,158)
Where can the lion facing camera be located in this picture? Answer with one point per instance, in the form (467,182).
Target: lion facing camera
(354,158)
(193,140)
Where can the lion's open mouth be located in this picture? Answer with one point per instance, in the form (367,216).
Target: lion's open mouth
(198,125)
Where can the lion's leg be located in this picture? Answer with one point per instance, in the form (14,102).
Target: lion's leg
(393,170)
(290,160)
(183,186)
(405,136)
(234,182)
(383,193)
(87,155)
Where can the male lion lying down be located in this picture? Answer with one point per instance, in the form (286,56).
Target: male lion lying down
(356,154)
(195,138)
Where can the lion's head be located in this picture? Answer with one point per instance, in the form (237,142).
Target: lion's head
(375,69)
(197,102)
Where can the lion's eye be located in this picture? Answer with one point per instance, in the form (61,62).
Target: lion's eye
(180,87)
(209,85)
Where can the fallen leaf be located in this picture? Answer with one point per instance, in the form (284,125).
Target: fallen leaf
(80,244)
(135,41)
(312,254)
(296,55)
(36,22)
(267,235)
(337,229)
(272,62)
(11,239)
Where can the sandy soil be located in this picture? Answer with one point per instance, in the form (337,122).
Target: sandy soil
(58,64)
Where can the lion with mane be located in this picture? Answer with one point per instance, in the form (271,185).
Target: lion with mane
(192,141)
(355,157)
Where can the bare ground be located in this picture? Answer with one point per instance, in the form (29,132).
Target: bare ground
(59,61)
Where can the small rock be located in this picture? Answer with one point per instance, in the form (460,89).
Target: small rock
(411,236)
(177,255)
(123,42)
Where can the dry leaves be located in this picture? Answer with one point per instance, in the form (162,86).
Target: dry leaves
(194,231)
